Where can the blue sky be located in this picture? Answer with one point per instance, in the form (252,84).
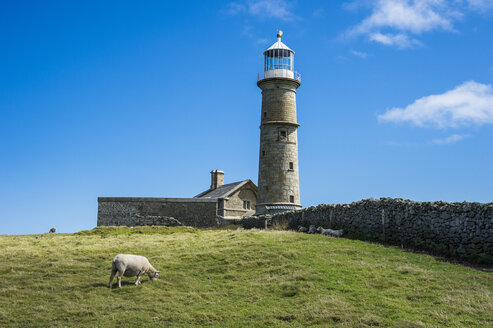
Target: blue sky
(125,98)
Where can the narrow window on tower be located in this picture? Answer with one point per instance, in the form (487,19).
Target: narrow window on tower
(291,199)
(283,134)
(263,153)
(291,166)
(265,114)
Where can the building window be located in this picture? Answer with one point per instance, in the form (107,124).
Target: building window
(291,199)
(291,165)
(263,152)
(265,114)
(283,134)
(246,204)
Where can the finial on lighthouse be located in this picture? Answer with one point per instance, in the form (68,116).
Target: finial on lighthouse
(279,34)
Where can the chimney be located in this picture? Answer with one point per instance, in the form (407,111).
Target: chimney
(217,178)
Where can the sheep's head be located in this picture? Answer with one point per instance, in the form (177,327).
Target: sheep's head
(319,229)
(155,275)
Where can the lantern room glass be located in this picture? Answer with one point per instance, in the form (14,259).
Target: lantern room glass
(279,59)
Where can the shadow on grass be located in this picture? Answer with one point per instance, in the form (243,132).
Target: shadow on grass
(472,262)
(99,284)
(115,284)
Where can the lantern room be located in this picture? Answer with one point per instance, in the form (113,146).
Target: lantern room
(279,61)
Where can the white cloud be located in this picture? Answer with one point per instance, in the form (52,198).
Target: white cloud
(391,22)
(414,16)
(320,12)
(481,5)
(359,54)
(399,40)
(249,33)
(280,9)
(470,103)
(451,139)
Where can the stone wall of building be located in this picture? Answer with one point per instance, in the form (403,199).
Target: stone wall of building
(130,211)
(463,230)
(234,203)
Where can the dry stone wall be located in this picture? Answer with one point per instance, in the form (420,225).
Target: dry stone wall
(130,211)
(463,230)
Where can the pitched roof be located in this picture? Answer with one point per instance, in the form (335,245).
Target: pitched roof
(224,190)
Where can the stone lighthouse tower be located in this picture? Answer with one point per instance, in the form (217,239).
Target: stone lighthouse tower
(278,178)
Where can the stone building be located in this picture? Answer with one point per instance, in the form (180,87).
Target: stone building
(219,204)
(234,200)
(278,178)
(278,175)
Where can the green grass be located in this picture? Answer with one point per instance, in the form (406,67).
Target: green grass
(147,230)
(228,278)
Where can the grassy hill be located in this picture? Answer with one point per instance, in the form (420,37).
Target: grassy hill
(228,278)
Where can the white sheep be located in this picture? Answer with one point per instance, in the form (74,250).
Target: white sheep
(312,229)
(330,232)
(302,229)
(131,266)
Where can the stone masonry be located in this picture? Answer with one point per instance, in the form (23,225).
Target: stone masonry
(278,179)
(220,204)
(139,211)
(463,230)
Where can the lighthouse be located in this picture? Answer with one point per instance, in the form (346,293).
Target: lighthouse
(278,174)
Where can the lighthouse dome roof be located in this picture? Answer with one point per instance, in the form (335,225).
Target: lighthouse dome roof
(279,44)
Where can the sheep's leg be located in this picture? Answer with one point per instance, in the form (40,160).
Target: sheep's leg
(113,272)
(137,282)
(119,278)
